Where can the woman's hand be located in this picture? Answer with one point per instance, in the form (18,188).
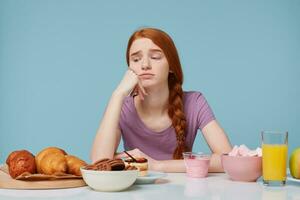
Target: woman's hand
(130,83)
(137,153)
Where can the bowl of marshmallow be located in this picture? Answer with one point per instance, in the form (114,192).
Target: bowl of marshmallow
(243,164)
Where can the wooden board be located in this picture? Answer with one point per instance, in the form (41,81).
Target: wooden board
(9,183)
(39,177)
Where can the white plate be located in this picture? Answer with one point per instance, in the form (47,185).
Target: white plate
(150,177)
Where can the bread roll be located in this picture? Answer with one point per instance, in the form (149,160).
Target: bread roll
(12,155)
(19,162)
(74,164)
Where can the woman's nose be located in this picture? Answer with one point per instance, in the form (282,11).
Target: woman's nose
(145,64)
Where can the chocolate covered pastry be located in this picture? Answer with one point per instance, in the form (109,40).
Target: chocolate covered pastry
(109,165)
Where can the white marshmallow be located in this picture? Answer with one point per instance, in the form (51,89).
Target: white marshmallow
(234,151)
(243,150)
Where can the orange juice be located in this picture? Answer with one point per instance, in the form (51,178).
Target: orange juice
(274,161)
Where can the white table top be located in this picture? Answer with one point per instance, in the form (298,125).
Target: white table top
(173,186)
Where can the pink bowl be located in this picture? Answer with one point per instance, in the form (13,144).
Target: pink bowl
(242,168)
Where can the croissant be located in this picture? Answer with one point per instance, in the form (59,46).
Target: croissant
(74,164)
(54,164)
(51,160)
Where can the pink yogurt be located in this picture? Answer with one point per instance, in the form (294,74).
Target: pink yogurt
(196,164)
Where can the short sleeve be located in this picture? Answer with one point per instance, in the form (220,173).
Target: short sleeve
(125,110)
(203,111)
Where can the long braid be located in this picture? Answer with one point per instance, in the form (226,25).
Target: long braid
(176,114)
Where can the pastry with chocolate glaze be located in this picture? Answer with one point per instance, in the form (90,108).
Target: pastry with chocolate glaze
(109,165)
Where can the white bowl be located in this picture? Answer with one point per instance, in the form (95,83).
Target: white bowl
(109,181)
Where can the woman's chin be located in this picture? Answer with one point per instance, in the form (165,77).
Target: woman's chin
(151,84)
(148,84)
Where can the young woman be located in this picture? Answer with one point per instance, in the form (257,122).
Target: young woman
(155,117)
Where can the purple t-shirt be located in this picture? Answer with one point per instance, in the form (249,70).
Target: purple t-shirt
(161,145)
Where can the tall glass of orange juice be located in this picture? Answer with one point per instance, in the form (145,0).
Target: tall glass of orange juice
(274,157)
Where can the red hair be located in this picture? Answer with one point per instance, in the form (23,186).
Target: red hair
(175,80)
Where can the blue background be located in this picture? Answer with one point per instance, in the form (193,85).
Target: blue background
(61,60)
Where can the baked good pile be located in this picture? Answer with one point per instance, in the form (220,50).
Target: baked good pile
(49,161)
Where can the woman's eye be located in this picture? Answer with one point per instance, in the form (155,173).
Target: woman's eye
(156,57)
(136,59)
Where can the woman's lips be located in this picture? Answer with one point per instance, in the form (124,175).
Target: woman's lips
(146,76)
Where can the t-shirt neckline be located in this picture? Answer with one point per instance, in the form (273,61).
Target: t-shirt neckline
(144,125)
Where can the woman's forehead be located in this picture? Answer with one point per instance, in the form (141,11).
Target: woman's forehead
(143,44)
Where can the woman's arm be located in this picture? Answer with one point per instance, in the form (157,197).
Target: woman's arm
(156,165)
(216,139)
(108,135)
(218,143)
(179,166)
(171,166)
